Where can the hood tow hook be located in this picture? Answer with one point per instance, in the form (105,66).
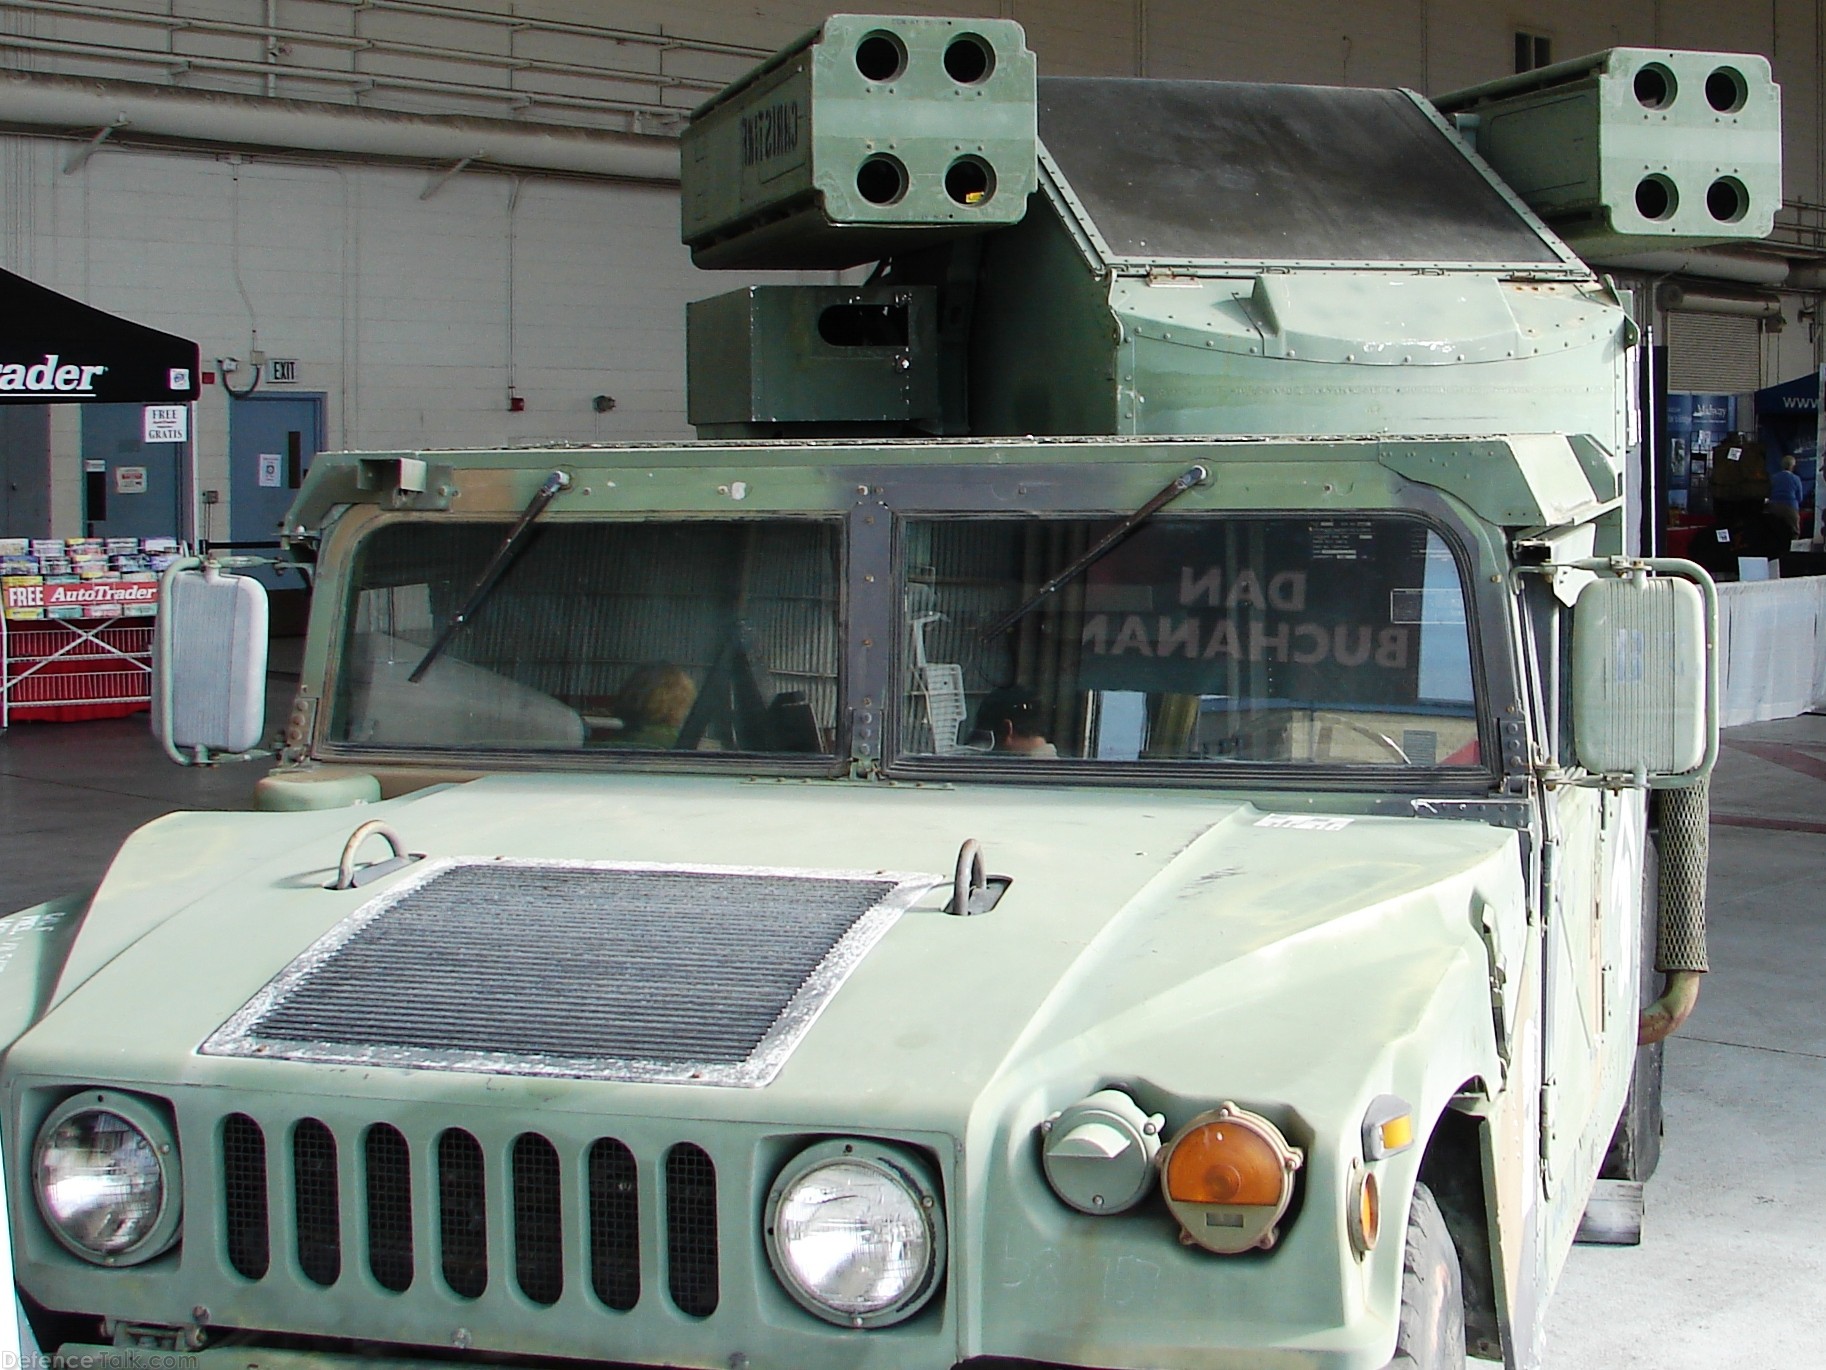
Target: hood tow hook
(348,878)
(973,892)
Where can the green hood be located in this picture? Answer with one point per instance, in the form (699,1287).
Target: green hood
(1132,915)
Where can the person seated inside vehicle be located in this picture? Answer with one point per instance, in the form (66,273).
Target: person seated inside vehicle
(1010,717)
(652,704)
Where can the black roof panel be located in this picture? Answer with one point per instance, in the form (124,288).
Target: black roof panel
(1222,170)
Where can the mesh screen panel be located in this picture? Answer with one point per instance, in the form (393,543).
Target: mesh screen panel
(244,1195)
(317,1202)
(462,1213)
(389,1176)
(614,1225)
(691,1245)
(538,1224)
(1685,853)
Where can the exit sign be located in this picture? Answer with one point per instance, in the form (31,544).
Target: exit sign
(282,370)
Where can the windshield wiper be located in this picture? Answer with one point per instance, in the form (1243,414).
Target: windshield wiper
(1195,475)
(497,566)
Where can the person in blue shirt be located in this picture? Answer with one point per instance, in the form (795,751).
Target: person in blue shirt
(1785,495)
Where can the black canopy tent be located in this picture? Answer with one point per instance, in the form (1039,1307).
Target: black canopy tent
(55,350)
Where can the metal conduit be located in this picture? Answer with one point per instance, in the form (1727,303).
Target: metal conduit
(217,119)
(303,38)
(488,19)
(517,21)
(273,39)
(354,81)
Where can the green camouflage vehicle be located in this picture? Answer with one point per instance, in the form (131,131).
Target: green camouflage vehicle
(1098,817)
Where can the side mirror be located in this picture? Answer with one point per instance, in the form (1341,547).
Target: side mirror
(1645,672)
(208,662)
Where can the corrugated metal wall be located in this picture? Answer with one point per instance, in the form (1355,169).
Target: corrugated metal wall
(1714,354)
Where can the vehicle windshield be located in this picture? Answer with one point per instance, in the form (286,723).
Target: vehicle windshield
(651,636)
(1199,639)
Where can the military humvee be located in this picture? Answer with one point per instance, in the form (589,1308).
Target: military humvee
(1098,817)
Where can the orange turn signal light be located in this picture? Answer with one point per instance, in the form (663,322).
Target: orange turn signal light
(1363,1209)
(1225,1162)
(1228,1177)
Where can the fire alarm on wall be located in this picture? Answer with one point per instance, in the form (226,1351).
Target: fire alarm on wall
(516,404)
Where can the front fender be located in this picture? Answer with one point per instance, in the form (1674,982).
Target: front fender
(1392,998)
(33,946)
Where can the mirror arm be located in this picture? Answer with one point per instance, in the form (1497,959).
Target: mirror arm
(162,627)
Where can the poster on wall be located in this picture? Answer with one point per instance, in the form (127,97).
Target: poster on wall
(1696,426)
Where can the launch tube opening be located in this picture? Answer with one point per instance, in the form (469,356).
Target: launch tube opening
(881,57)
(881,180)
(1655,86)
(969,60)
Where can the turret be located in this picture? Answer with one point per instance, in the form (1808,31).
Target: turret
(1195,257)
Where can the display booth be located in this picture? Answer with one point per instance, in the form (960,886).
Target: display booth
(76,613)
(1787,421)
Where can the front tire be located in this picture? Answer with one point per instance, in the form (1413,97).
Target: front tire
(1431,1335)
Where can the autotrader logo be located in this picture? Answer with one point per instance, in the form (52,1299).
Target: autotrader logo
(52,376)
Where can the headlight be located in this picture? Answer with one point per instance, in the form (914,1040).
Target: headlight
(105,1171)
(855,1234)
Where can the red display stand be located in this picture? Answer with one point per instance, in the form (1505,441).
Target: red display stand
(65,670)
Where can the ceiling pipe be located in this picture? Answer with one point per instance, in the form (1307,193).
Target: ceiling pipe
(1716,266)
(1702,301)
(136,110)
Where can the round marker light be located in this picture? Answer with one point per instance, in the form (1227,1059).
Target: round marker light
(1363,1209)
(1228,1178)
(854,1233)
(105,1174)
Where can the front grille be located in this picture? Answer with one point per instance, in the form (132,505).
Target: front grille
(462,1213)
(614,1225)
(319,1212)
(538,1221)
(381,1202)
(389,1181)
(691,1230)
(244,1196)
(591,970)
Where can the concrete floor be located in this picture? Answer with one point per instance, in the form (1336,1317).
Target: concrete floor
(1732,1269)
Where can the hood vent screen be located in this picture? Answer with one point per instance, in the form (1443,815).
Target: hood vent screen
(595,971)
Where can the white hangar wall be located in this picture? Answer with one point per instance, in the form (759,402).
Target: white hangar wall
(414,319)
(417,316)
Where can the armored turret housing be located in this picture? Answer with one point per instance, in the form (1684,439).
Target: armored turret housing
(1198,257)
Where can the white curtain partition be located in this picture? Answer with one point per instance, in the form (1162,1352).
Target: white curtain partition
(1772,648)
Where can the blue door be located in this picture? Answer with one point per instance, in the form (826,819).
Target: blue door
(271,441)
(25,470)
(131,488)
